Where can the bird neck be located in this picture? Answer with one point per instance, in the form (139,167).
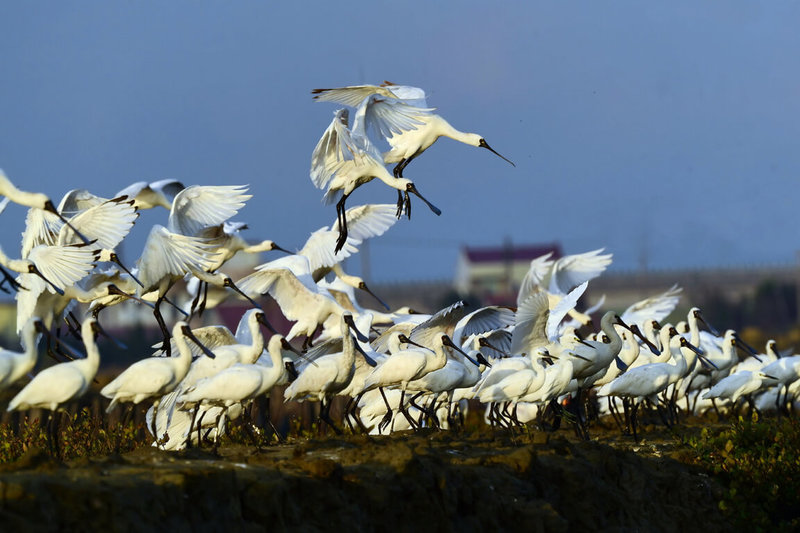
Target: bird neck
(728,349)
(256,335)
(396,183)
(678,356)
(275,354)
(349,348)
(694,330)
(608,328)
(92,352)
(439,358)
(30,344)
(184,358)
(446,130)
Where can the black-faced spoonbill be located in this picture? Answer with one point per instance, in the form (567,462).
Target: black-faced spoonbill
(343,160)
(411,138)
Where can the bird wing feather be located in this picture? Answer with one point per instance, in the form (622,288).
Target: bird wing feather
(293,294)
(171,254)
(64,266)
(209,336)
(200,206)
(331,150)
(41,227)
(530,331)
(388,117)
(443,321)
(532,281)
(78,200)
(319,248)
(652,308)
(560,310)
(106,223)
(572,270)
(370,220)
(352,95)
(481,320)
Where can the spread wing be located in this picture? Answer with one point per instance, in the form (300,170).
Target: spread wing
(572,270)
(200,206)
(388,116)
(64,266)
(106,223)
(443,321)
(334,148)
(168,254)
(41,227)
(653,308)
(530,331)
(534,278)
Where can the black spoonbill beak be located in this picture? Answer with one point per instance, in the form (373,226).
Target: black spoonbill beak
(483,144)
(228,282)
(411,188)
(187,332)
(448,342)
(32,269)
(352,325)
(363,287)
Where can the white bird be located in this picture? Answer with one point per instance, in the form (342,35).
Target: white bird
(105,222)
(172,252)
(66,264)
(288,280)
(238,384)
(461,371)
(167,258)
(248,347)
(628,354)
(742,383)
(153,194)
(407,142)
(49,295)
(652,308)
(29,199)
(154,376)
(558,277)
(785,371)
(14,365)
(517,384)
(406,365)
(343,161)
(644,382)
(244,347)
(329,374)
(596,355)
(56,385)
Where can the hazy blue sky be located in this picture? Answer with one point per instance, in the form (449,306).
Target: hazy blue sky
(667,129)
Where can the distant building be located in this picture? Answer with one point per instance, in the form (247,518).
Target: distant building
(494,274)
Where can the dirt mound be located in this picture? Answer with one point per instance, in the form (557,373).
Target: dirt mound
(424,482)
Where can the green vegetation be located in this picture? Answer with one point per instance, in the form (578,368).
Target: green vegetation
(758,464)
(79,435)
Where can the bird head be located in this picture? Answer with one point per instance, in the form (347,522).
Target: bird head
(483,144)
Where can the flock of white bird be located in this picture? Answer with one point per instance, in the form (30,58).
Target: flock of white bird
(397,370)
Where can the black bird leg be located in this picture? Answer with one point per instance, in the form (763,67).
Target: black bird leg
(342,219)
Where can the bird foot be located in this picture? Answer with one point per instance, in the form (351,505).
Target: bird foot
(387,418)
(163,440)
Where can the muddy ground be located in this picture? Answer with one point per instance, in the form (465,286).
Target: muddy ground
(429,481)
